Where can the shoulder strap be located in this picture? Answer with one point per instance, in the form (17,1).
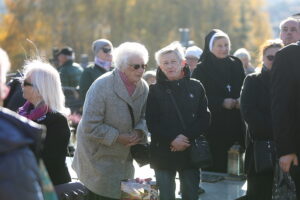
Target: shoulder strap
(131,115)
(176,108)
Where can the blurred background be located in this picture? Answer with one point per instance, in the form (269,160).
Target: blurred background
(51,24)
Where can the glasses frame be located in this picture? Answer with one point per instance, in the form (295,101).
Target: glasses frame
(25,83)
(137,66)
(106,50)
(270,57)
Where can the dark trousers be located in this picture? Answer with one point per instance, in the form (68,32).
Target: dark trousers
(295,174)
(92,196)
(189,183)
(259,186)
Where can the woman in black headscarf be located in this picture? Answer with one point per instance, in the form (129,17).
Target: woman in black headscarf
(222,76)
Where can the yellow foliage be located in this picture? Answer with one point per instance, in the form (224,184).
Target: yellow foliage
(155,23)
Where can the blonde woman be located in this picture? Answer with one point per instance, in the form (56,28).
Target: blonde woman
(45,105)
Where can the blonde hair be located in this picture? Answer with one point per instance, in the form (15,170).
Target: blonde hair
(276,43)
(47,83)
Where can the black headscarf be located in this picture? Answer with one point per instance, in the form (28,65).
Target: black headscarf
(222,66)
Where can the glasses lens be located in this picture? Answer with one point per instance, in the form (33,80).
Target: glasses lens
(106,50)
(137,66)
(270,57)
(25,83)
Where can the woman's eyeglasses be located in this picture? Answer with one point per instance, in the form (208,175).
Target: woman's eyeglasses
(270,57)
(25,83)
(137,66)
(106,50)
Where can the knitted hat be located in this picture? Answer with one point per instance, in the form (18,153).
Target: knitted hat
(99,44)
(193,51)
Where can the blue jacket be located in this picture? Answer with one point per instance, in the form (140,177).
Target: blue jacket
(19,174)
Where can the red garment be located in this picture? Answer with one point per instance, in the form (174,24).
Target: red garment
(129,86)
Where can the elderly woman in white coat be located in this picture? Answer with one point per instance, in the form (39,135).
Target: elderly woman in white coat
(105,133)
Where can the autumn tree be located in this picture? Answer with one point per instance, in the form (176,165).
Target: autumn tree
(155,23)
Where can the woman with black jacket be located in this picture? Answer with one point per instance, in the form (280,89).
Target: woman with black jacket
(222,76)
(169,140)
(45,105)
(255,109)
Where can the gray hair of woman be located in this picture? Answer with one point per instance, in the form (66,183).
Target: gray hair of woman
(46,81)
(242,53)
(173,47)
(123,53)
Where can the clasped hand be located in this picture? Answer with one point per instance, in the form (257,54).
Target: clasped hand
(230,103)
(180,143)
(130,139)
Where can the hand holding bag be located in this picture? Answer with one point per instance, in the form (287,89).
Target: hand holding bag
(139,152)
(283,187)
(199,153)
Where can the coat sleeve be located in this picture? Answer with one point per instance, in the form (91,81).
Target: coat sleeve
(153,114)
(252,115)
(85,83)
(93,122)
(64,77)
(141,124)
(201,124)
(282,96)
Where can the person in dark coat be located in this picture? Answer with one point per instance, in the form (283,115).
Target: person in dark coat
(256,111)
(19,170)
(102,50)
(222,76)
(14,98)
(70,71)
(170,141)
(45,105)
(285,97)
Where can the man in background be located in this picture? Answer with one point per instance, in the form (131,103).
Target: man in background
(70,72)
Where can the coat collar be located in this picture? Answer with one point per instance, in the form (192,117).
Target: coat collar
(121,91)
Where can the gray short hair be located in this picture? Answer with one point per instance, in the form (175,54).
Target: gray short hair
(128,50)
(287,20)
(242,53)
(149,74)
(46,81)
(173,47)
(4,65)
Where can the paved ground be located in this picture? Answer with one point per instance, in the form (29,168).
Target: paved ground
(221,190)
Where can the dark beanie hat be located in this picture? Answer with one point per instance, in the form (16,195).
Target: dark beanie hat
(68,51)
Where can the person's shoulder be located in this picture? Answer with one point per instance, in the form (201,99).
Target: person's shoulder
(104,81)
(253,77)
(235,60)
(290,49)
(56,115)
(15,123)
(196,84)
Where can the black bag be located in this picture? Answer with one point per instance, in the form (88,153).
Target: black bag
(139,152)
(200,155)
(70,191)
(283,186)
(264,155)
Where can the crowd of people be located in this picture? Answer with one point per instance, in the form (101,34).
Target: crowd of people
(192,92)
